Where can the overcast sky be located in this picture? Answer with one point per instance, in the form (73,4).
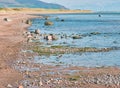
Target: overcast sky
(96,5)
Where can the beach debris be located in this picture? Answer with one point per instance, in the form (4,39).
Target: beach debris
(7,19)
(48,23)
(9,86)
(37,31)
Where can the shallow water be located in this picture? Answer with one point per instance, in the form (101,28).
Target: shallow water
(108,25)
(83,59)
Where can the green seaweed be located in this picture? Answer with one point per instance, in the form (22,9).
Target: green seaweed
(56,50)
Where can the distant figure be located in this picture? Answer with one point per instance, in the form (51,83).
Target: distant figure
(99,15)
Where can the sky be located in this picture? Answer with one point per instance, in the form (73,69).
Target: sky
(95,5)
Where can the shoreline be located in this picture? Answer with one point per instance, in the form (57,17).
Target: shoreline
(12,42)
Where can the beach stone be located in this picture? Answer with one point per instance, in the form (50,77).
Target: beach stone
(29,40)
(40,83)
(9,86)
(28,33)
(28,22)
(54,37)
(29,36)
(49,37)
(95,33)
(20,87)
(6,19)
(46,17)
(48,23)
(37,31)
(57,19)
(76,37)
(62,20)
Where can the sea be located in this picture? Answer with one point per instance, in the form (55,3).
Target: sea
(106,25)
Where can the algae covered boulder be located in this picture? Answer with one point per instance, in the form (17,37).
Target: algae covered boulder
(48,23)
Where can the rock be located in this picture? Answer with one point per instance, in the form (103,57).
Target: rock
(28,22)
(76,37)
(49,37)
(6,19)
(48,23)
(115,42)
(9,86)
(20,87)
(57,19)
(62,20)
(37,31)
(36,37)
(95,33)
(46,17)
(29,36)
(54,37)
(62,37)
(29,40)
(27,33)
(40,83)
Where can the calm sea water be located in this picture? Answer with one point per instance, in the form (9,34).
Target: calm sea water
(108,25)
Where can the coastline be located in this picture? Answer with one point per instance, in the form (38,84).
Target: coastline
(12,42)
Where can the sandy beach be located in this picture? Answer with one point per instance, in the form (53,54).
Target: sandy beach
(11,40)
(11,43)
